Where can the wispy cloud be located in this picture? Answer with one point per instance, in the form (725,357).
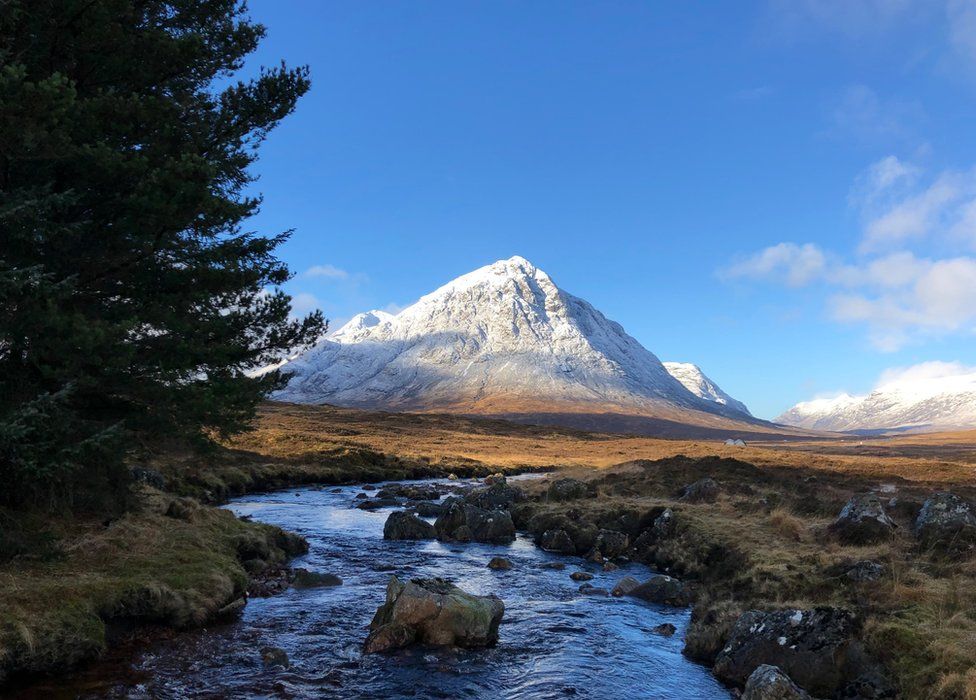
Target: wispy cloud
(860,113)
(328,271)
(858,20)
(898,206)
(796,265)
(897,296)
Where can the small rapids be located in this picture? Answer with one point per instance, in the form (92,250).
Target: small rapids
(554,641)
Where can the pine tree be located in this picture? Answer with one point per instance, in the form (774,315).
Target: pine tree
(133,299)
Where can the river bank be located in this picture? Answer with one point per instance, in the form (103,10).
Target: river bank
(763,541)
(554,640)
(72,587)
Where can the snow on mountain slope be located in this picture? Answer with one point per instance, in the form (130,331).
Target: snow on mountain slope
(503,339)
(359,325)
(695,381)
(931,396)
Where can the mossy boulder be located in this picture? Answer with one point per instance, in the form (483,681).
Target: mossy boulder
(433,612)
(946,523)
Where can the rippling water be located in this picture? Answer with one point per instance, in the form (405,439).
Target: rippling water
(554,642)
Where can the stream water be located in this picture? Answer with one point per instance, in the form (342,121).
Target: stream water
(554,641)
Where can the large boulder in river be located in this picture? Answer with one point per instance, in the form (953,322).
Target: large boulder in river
(817,648)
(947,523)
(497,496)
(401,525)
(570,489)
(434,612)
(624,586)
(464,522)
(863,521)
(769,683)
(663,590)
(557,541)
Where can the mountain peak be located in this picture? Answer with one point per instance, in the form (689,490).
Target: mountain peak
(503,339)
(694,380)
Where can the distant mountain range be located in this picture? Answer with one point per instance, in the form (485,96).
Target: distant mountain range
(930,396)
(504,340)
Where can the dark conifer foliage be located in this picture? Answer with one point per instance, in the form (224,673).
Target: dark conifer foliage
(133,298)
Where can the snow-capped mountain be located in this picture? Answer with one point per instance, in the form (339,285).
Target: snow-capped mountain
(695,381)
(501,340)
(929,396)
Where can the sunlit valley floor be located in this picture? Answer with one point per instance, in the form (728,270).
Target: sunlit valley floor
(759,539)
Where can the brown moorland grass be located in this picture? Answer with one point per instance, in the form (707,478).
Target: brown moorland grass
(767,528)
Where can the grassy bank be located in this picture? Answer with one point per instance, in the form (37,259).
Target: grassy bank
(79,581)
(69,586)
(764,544)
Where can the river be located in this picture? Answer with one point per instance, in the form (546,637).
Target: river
(554,642)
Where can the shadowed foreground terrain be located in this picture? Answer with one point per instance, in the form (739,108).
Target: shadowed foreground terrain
(761,543)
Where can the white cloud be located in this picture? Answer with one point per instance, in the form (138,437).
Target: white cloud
(897,296)
(920,297)
(304,303)
(794,264)
(329,271)
(923,372)
(935,210)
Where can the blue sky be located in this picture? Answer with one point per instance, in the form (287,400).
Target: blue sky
(781,192)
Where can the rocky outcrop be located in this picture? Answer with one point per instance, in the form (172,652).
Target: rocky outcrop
(557,541)
(665,629)
(570,489)
(817,648)
(946,523)
(497,496)
(426,509)
(401,525)
(662,590)
(863,521)
(769,683)
(610,543)
(433,612)
(702,491)
(624,586)
(409,492)
(500,564)
(664,525)
(468,523)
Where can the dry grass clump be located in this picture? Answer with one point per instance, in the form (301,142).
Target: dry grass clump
(788,525)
